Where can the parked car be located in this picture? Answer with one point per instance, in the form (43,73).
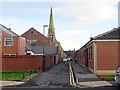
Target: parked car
(117,76)
(64,60)
(68,59)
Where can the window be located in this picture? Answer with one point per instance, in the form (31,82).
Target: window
(8,41)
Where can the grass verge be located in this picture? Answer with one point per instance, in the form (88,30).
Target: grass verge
(16,75)
(109,77)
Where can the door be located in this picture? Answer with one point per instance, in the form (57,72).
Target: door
(86,57)
(43,63)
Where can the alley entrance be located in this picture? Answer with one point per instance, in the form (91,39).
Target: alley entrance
(58,76)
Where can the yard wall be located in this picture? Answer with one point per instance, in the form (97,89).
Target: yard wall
(107,55)
(27,63)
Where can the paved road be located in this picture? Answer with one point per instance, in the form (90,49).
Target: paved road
(58,76)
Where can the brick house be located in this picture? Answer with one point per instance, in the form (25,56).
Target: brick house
(102,53)
(10,42)
(13,56)
(38,44)
(36,38)
(70,54)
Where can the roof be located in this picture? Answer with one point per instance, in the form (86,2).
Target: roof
(109,35)
(33,29)
(7,30)
(51,50)
(33,34)
(68,53)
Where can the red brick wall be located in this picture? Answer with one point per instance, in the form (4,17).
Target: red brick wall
(18,44)
(52,61)
(81,57)
(0,46)
(90,55)
(22,63)
(85,55)
(107,55)
(49,61)
(76,57)
(17,48)
(119,54)
(10,49)
(27,62)
(21,46)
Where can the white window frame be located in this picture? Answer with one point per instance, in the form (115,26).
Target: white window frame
(5,42)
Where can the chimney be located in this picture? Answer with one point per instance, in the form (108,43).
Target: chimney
(9,29)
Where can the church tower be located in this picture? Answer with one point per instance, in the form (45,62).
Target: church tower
(51,29)
(51,34)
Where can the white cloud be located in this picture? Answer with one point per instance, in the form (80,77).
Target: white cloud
(74,32)
(73,43)
(88,12)
(19,25)
(68,18)
(53,0)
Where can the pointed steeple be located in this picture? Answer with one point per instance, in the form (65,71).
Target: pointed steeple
(51,29)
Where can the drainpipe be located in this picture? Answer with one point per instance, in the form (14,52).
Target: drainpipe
(95,57)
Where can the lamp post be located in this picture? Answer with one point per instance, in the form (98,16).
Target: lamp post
(44,35)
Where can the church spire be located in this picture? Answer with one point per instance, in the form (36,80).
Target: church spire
(51,29)
(51,12)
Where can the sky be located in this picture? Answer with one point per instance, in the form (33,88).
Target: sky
(75,21)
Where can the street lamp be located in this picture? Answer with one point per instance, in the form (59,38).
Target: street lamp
(44,29)
(44,35)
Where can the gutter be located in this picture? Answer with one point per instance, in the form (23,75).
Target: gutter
(73,79)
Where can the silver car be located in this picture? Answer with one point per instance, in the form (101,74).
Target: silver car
(117,76)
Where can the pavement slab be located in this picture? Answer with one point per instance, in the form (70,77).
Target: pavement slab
(85,78)
(95,84)
(10,83)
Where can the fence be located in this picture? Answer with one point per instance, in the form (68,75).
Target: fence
(27,63)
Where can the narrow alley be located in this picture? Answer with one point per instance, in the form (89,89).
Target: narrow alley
(58,76)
